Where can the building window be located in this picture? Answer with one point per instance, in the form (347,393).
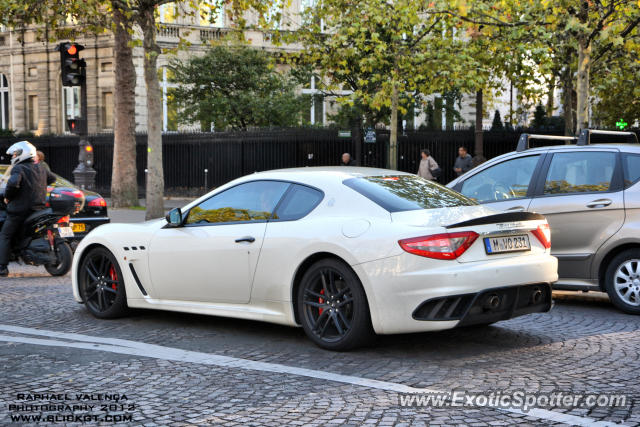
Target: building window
(33,71)
(169,108)
(106,67)
(212,13)
(33,112)
(4,102)
(107,110)
(70,104)
(168,13)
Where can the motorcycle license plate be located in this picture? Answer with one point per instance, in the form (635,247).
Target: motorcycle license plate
(65,232)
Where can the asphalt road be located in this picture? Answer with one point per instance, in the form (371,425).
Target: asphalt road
(162,368)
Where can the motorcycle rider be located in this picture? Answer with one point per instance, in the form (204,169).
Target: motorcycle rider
(24,194)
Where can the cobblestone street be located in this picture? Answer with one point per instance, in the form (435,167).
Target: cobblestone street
(164,368)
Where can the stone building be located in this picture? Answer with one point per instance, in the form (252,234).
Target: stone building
(32,98)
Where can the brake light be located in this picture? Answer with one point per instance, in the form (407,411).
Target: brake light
(75,193)
(97,202)
(440,246)
(64,219)
(543,233)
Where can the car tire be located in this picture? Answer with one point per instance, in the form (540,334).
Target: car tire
(342,321)
(64,255)
(622,281)
(101,284)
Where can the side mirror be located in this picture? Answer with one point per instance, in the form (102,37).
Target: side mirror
(174,217)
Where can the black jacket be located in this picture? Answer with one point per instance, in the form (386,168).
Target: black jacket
(27,187)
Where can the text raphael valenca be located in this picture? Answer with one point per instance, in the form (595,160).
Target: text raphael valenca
(114,397)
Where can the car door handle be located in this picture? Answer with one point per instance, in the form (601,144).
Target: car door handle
(599,202)
(515,209)
(248,239)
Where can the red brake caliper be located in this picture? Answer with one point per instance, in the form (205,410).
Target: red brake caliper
(320,300)
(114,276)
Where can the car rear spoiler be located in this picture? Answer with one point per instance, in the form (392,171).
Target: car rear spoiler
(497,218)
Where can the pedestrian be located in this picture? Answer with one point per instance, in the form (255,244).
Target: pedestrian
(347,160)
(463,161)
(40,157)
(428,168)
(24,194)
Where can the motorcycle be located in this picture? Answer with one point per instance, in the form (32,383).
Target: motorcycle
(42,239)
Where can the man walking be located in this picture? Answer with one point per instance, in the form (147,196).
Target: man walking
(463,161)
(428,168)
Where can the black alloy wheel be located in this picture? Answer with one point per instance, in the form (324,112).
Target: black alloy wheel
(332,306)
(102,284)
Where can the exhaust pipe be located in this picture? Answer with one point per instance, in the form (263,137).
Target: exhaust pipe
(491,302)
(536,296)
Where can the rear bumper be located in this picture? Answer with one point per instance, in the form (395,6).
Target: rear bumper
(397,286)
(488,306)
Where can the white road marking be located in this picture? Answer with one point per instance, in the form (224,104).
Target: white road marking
(136,348)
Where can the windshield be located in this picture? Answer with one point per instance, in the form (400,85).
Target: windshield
(406,193)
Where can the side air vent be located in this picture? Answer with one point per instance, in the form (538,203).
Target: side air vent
(135,276)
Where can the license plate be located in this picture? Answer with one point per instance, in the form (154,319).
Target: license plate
(79,227)
(497,245)
(65,232)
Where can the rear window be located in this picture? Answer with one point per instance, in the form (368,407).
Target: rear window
(406,193)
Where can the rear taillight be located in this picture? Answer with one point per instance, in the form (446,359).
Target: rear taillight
(97,202)
(543,233)
(75,193)
(440,246)
(64,220)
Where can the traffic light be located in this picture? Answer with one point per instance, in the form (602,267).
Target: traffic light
(86,153)
(76,126)
(71,65)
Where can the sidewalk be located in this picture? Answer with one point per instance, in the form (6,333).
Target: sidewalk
(137,215)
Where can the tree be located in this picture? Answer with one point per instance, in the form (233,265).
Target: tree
(236,87)
(594,29)
(539,117)
(384,53)
(497,121)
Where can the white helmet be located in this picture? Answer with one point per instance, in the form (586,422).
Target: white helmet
(22,150)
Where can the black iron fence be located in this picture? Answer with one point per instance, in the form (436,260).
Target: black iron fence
(228,155)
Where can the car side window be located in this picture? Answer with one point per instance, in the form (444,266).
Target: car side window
(631,166)
(298,202)
(580,172)
(251,201)
(507,180)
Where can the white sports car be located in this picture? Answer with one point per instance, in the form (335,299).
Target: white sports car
(344,252)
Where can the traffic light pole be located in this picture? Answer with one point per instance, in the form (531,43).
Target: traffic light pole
(84,175)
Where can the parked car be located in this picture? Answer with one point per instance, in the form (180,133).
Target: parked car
(90,215)
(590,195)
(341,251)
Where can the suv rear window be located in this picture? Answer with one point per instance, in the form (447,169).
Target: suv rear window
(406,193)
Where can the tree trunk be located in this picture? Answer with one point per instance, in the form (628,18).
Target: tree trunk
(567,97)
(584,65)
(478,149)
(551,95)
(155,174)
(124,183)
(393,138)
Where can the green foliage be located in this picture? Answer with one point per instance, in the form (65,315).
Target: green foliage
(497,121)
(236,87)
(539,117)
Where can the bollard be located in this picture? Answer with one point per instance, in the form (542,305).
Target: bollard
(206,175)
